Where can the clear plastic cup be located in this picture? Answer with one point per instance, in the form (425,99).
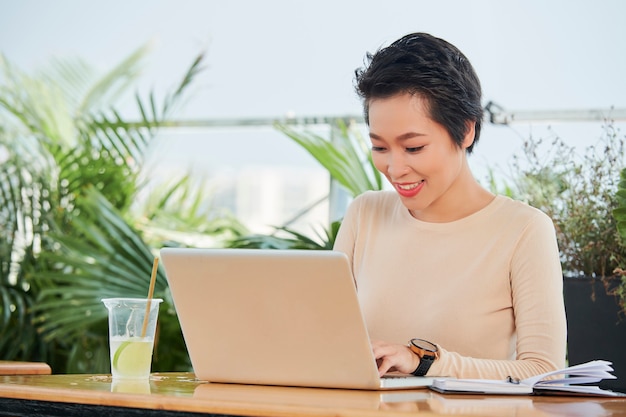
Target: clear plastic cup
(131,338)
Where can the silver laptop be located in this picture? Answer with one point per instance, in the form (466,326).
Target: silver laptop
(274,317)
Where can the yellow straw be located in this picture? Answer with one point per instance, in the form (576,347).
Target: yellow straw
(155,266)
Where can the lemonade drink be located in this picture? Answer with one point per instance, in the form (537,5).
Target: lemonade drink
(132,329)
(131,357)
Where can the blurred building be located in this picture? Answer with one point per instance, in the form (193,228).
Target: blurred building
(264,197)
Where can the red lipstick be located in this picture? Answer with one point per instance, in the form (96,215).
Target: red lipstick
(409,189)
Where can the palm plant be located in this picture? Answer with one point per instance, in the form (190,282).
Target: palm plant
(68,180)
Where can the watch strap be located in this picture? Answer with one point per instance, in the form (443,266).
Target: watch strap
(425,362)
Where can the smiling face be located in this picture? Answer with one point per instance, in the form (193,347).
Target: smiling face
(426,167)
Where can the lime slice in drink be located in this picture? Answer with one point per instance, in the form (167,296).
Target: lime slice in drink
(132,358)
(118,353)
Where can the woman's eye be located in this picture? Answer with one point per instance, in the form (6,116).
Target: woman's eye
(414,150)
(377,149)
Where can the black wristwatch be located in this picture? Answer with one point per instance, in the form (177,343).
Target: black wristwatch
(427,353)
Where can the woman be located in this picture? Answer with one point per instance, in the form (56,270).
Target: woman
(452,279)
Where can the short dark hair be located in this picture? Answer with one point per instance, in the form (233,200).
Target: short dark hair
(432,68)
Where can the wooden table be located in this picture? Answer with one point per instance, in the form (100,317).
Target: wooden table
(23,368)
(181,395)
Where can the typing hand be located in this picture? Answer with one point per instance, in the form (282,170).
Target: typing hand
(390,357)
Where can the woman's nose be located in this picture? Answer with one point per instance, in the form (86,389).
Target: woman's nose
(396,166)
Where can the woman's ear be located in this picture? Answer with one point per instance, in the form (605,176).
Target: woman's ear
(470,134)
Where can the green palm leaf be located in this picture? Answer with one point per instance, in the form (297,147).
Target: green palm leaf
(285,238)
(345,156)
(107,259)
(19,338)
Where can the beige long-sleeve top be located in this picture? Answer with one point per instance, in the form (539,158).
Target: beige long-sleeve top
(487,289)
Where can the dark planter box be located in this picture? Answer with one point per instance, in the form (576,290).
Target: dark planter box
(595,328)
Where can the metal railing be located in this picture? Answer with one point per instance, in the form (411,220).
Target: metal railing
(494,114)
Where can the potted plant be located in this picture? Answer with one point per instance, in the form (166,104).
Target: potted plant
(578,190)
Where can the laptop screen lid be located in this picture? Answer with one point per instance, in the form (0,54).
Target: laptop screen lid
(271,317)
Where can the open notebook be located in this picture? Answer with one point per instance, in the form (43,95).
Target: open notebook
(573,380)
(274,317)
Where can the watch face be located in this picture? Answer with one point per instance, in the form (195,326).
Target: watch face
(424,344)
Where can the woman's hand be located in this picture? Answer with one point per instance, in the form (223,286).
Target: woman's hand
(390,357)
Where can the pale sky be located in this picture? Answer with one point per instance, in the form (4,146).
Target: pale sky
(267,58)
